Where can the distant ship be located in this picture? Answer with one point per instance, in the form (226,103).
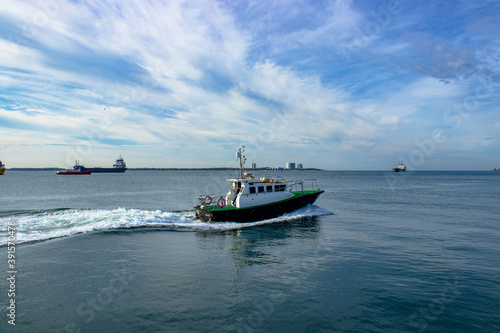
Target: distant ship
(119,166)
(2,168)
(495,169)
(399,168)
(77,170)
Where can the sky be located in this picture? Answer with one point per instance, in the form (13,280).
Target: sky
(356,85)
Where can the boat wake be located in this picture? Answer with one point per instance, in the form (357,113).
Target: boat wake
(40,226)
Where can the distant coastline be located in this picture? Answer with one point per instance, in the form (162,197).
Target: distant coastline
(54,169)
(178,169)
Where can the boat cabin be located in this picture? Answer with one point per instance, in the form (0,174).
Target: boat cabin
(119,163)
(248,191)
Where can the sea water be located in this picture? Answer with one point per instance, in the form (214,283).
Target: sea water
(377,252)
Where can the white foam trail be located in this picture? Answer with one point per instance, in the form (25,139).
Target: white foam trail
(55,224)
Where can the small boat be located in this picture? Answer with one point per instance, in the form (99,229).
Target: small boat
(77,170)
(251,199)
(118,166)
(2,168)
(400,167)
(495,169)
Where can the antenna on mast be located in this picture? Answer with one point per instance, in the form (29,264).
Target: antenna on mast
(243,159)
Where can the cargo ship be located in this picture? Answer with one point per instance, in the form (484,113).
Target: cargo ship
(118,167)
(251,199)
(400,167)
(2,168)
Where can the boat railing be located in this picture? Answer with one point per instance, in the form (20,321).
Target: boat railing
(280,179)
(305,184)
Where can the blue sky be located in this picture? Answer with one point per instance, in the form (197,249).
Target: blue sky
(340,84)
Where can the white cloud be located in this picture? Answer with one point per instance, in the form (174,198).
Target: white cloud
(172,75)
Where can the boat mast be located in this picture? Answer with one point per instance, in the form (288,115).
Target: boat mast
(242,161)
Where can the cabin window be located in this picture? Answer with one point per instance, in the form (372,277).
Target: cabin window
(269,188)
(261,189)
(280,188)
(252,189)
